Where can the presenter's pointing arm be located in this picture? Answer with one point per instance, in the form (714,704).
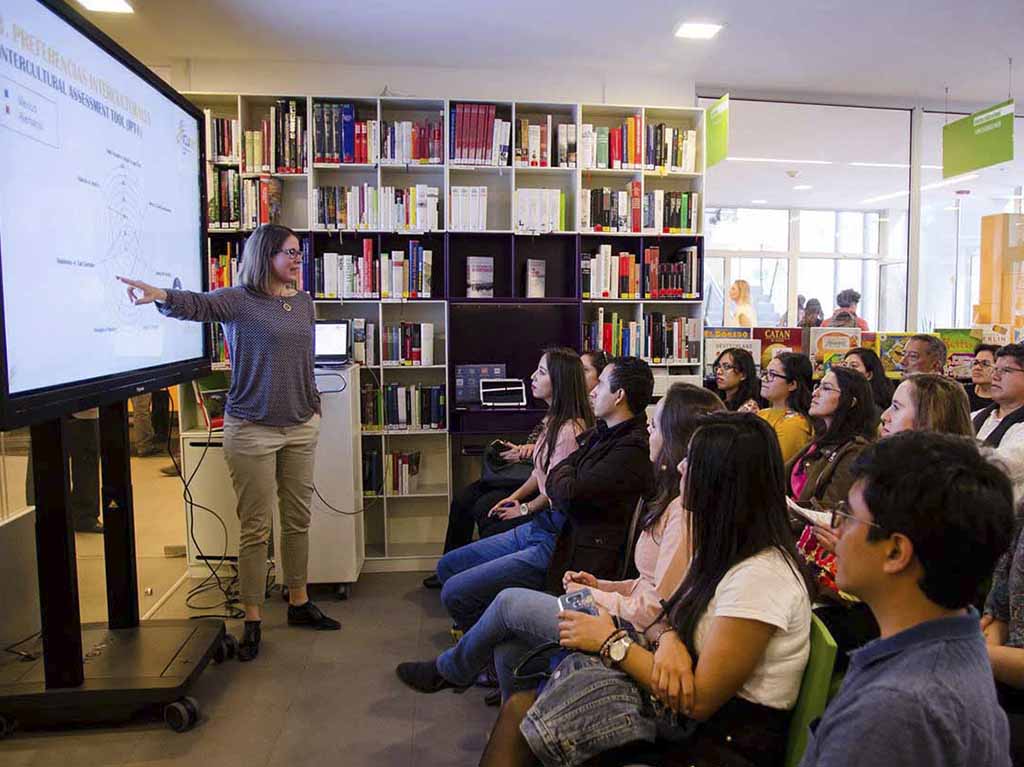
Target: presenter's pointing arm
(217,306)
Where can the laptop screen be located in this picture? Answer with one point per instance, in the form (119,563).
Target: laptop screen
(331,340)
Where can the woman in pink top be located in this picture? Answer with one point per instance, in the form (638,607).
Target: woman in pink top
(519,620)
(568,416)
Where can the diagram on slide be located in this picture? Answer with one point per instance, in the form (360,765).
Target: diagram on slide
(123,211)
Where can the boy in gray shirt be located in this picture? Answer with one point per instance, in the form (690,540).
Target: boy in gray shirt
(928,517)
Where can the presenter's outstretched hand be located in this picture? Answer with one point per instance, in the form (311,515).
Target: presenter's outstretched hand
(149,294)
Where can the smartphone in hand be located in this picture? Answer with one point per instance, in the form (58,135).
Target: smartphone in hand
(581,601)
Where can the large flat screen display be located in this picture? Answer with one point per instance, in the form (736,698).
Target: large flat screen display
(101,176)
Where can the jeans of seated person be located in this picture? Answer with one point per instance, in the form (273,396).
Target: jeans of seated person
(517,621)
(474,575)
(471,506)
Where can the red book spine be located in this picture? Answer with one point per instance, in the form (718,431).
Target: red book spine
(606,337)
(460,133)
(637,153)
(264,201)
(438,144)
(478,133)
(634,193)
(655,272)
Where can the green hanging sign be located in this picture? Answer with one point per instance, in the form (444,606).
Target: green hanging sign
(718,131)
(979,140)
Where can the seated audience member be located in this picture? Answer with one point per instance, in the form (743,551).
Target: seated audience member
(592,496)
(844,413)
(927,519)
(845,315)
(1001,425)
(473,504)
(979,390)
(736,380)
(866,362)
(786,384)
(732,664)
(1003,626)
(924,402)
(519,620)
(924,354)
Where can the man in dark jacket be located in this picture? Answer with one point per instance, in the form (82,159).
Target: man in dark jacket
(593,494)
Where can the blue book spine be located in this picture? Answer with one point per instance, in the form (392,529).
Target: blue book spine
(348,132)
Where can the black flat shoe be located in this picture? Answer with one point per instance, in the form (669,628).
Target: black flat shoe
(249,647)
(432,581)
(423,676)
(90,526)
(309,614)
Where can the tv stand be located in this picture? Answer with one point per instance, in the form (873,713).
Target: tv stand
(101,672)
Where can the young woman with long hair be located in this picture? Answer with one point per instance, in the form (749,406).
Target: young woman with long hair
(786,383)
(741,656)
(867,363)
(519,620)
(736,380)
(272,415)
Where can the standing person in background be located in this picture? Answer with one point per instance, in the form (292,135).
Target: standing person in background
(272,415)
(867,363)
(1001,425)
(786,383)
(979,390)
(736,381)
(813,315)
(924,354)
(847,301)
(742,313)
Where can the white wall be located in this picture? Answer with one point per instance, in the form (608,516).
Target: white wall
(313,78)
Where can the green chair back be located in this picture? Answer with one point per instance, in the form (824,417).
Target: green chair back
(814,690)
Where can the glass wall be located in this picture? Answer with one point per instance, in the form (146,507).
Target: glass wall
(951,212)
(811,201)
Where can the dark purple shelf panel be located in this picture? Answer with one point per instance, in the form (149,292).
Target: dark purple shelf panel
(495,420)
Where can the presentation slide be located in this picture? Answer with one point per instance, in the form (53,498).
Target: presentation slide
(100,177)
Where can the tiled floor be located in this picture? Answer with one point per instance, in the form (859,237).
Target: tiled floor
(310,698)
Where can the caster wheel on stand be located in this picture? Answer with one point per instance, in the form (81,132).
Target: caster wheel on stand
(6,727)
(343,591)
(183,714)
(226,650)
(284,593)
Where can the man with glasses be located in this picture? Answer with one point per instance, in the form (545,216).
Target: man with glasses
(927,519)
(1001,425)
(924,354)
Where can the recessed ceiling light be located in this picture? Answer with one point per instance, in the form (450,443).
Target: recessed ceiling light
(879,164)
(924,188)
(759,202)
(697,31)
(107,6)
(802,187)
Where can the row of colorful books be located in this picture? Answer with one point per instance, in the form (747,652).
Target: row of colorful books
(396,407)
(657,338)
(545,144)
(476,136)
(622,276)
(408,343)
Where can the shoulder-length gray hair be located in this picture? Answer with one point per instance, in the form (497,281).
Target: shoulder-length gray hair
(261,247)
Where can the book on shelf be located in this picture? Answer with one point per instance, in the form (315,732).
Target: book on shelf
(657,338)
(287,149)
(415,208)
(468,208)
(260,201)
(678,278)
(345,207)
(407,274)
(401,472)
(408,343)
(405,141)
(256,150)
(219,344)
(546,144)
(540,210)
(670,212)
(223,208)
(343,275)
(373,478)
(612,148)
(414,407)
(371,407)
(222,269)
(610,210)
(612,276)
(476,136)
(673,149)
(222,138)
(363,336)
(339,137)
(535,277)
(480,277)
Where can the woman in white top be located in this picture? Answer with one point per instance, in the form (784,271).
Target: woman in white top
(742,313)
(742,611)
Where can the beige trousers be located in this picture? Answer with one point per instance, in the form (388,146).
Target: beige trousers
(269,463)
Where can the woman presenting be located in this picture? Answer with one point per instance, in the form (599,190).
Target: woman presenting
(272,415)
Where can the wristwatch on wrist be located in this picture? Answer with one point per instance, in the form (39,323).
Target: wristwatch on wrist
(524,509)
(617,649)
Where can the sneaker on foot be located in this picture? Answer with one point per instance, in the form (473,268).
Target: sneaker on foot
(309,614)
(432,581)
(423,676)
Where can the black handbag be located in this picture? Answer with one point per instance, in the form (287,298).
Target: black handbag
(499,473)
